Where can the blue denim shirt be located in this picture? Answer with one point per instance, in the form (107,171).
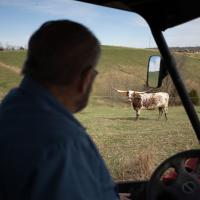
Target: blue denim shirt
(45,153)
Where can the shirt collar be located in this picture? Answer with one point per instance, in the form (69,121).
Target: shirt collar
(38,91)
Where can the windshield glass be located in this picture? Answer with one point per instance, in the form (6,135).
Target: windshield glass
(131,148)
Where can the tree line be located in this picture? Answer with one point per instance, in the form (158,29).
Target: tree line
(9,47)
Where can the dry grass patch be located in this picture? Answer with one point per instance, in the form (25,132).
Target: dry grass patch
(140,166)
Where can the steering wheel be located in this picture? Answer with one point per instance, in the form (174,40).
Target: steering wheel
(177,178)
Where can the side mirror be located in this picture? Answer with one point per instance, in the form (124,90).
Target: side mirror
(156,72)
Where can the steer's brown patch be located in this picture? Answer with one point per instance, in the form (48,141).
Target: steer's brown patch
(151,102)
(136,101)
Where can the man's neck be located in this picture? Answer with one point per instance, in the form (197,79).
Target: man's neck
(64,94)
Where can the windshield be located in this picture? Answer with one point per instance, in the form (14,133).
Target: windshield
(132,149)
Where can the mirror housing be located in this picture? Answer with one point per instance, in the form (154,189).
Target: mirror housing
(156,71)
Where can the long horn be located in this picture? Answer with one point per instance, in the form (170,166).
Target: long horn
(149,90)
(121,91)
(144,91)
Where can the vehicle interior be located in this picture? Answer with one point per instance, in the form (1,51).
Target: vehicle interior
(174,177)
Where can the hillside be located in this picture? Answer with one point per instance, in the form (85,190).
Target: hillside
(123,68)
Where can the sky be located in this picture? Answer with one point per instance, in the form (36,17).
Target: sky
(20,18)
(154,64)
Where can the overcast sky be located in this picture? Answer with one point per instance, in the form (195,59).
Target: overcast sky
(20,18)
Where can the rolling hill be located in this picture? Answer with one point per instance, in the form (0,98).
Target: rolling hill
(123,68)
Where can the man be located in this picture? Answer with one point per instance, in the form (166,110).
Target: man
(45,152)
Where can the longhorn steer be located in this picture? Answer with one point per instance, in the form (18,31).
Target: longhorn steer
(148,101)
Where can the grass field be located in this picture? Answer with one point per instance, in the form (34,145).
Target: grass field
(8,80)
(124,68)
(126,143)
(132,149)
(13,58)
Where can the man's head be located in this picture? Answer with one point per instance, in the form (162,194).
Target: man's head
(62,55)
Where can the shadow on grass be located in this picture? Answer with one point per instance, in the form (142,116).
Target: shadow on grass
(130,118)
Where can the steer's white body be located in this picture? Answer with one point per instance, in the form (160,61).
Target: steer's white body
(148,101)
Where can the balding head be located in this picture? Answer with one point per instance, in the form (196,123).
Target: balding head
(60,51)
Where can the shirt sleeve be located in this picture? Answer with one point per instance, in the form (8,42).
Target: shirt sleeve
(73,171)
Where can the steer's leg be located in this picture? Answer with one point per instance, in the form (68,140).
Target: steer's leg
(165,110)
(137,114)
(160,112)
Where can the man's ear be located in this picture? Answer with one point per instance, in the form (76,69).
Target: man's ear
(86,79)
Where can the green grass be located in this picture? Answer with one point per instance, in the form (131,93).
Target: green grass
(120,138)
(110,120)
(124,68)
(124,65)
(123,59)
(8,80)
(118,67)
(192,69)
(13,58)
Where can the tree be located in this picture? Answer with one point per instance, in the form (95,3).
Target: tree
(1,47)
